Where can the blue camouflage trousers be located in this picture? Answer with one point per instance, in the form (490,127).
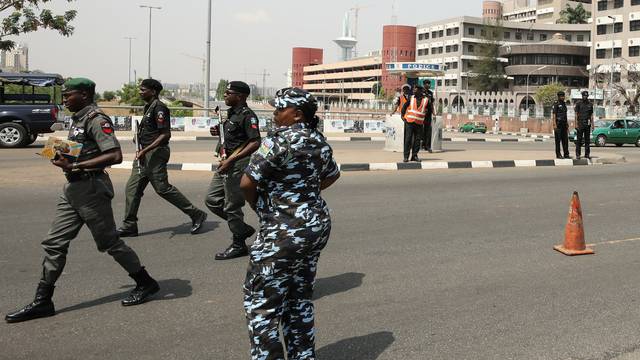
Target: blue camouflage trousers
(278,291)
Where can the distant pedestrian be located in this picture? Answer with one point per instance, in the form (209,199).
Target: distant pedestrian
(150,164)
(428,121)
(561,126)
(283,184)
(584,124)
(239,138)
(414,113)
(85,199)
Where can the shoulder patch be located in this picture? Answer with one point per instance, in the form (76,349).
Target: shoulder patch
(266,147)
(106,127)
(160,116)
(254,123)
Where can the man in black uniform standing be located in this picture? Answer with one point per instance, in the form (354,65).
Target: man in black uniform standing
(150,165)
(561,126)
(584,123)
(426,135)
(85,199)
(413,114)
(239,138)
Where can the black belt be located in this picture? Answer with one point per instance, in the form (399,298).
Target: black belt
(82,175)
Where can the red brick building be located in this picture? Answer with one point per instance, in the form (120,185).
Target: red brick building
(398,45)
(303,57)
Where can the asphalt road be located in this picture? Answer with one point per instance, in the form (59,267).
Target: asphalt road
(454,264)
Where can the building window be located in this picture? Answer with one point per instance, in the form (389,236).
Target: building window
(426,36)
(454,82)
(616,77)
(601,29)
(543,37)
(530,36)
(518,36)
(454,65)
(434,34)
(483,32)
(470,48)
(455,48)
(634,50)
(448,48)
(420,36)
(635,2)
(601,53)
(634,25)
(618,4)
(580,38)
(441,33)
(507,35)
(567,37)
(472,31)
(456,31)
(617,27)
(449,32)
(617,52)
(602,5)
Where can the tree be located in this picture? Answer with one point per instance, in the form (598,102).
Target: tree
(180,113)
(109,95)
(576,15)
(27,16)
(631,92)
(548,94)
(97,97)
(130,95)
(222,87)
(488,70)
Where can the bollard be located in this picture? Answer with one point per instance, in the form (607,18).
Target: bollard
(436,134)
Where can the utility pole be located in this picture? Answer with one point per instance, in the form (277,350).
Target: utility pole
(264,83)
(207,76)
(204,75)
(151,8)
(129,73)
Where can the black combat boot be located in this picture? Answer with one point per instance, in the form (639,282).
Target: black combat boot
(146,286)
(42,306)
(238,247)
(128,232)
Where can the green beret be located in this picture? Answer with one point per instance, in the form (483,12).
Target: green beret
(81,84)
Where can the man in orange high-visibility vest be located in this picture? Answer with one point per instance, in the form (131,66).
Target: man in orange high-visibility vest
(404,98)
(414,113)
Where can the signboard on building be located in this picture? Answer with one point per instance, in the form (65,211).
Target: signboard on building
(594,94)
(412,66)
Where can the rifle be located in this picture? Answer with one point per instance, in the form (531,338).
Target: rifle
(136,140)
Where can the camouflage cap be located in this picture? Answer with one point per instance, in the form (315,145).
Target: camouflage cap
(293,97)
(80,84)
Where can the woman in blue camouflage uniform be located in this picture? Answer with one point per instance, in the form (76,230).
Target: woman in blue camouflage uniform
(282,184)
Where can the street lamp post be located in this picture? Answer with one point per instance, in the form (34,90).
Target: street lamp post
(129,73)
(151,8)
(528,75)
(613,23)
(207,80)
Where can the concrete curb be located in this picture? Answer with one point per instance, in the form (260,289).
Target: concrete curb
(495,140)
(509,133)
(425,165)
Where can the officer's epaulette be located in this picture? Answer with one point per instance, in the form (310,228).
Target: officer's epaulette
(95,113)
(246,110)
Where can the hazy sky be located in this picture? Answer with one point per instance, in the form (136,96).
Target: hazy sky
(248,36)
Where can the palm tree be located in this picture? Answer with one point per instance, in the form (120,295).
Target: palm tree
(576,15)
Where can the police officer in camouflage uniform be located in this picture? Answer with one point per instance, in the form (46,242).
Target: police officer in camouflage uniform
(150,165)
(283,183)
(241,136)
(85,199)
(584,124)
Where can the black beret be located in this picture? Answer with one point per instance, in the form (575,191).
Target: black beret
(560,93)
(152,84)
(585,93)
(239,86)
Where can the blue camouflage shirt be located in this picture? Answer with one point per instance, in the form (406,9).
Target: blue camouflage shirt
(288,168)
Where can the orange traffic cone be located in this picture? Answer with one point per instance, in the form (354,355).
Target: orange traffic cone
(574,231)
